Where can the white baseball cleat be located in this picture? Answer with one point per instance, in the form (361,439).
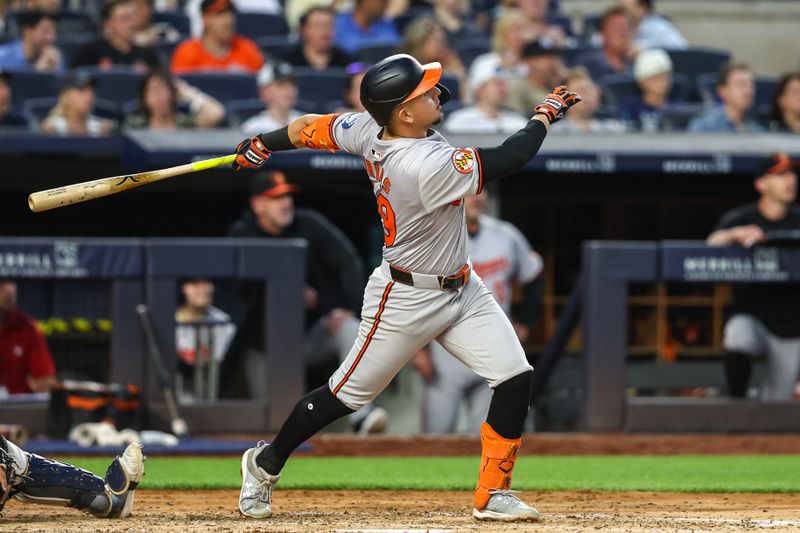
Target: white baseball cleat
(504,506)
(255,498)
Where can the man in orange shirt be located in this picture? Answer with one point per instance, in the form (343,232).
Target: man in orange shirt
(218,48)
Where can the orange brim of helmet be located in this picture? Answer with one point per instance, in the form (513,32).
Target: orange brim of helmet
(432,75)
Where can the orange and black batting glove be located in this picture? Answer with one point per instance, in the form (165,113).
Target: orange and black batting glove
(251,153)
(556,104)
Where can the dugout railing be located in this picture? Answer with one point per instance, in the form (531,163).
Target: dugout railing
(609,270)
(149,271)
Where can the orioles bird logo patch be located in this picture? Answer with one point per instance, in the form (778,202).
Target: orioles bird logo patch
(463,161)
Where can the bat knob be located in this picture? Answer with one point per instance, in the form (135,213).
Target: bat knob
(179,427)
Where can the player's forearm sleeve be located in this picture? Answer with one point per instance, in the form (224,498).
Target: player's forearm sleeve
(277,140)
(511,156)
(528,309)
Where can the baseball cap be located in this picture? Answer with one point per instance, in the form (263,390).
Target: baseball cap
(272,72)
(774,164)
(271,184)
(482,72)
(540,48)
(650,63)
(217,6)
(77,79)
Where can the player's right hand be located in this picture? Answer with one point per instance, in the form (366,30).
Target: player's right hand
(251,153)
(557,103)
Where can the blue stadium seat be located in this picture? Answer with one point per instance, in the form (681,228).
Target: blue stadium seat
(469,49)
(619,87)
(591,26)
(257,25)
(69,22)
(320,87)
(571,56)
(239,111)
(276,46)
(696,61)
(178,20)
(403,20)
(224,86)
(118,84)
(30,84)
(69,44)
(36,109)
(765,89)
(164,52)
(562,22)
(375,52)
(676,117)
(452,85)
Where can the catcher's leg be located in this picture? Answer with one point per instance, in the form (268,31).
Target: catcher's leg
(45,481)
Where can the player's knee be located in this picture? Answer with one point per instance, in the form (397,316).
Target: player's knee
(743,334)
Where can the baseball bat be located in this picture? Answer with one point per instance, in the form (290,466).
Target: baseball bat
(179,426)
(89,190)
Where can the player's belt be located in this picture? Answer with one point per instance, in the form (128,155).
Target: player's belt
(429,281)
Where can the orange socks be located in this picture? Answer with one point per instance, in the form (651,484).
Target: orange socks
(498,455)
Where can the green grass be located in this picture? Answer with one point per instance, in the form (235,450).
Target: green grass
(683,473)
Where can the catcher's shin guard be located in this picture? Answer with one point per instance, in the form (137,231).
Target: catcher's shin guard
(498,456)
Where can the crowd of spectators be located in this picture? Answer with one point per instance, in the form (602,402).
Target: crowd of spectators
(188,60)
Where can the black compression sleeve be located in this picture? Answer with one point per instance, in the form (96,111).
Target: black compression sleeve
(511,156)
(277,140)
(529,305)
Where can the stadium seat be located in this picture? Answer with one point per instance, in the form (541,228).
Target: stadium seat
(176,19)
(36,109)
(69,44)
(239,111)
(320,87)
(696,61)
(563,22)
(591,26)
(31,84)
(257,25)
(572,56)
(276,46)
(403,20)
(69,22)
(224,86)
(164,52)
(469,49)
(118,84)
(619,87)
(375,52)
(676,117)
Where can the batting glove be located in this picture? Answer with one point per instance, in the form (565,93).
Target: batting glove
(251,153)
(556,104)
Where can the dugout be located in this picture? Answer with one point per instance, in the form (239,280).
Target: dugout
(580,188)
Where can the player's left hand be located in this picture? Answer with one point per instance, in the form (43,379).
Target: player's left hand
(522,331)
(556,104)
(251,153)
(336,318)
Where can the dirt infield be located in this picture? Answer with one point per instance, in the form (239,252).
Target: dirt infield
(302,511)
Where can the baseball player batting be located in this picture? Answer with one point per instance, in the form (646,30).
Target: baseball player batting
(424,289)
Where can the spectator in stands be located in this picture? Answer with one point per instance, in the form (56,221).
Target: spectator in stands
(161,97)
(765,321)
(199,324)
(503,258)
(785,112)
(352,91)
(653,72)
(537,12)
(25,362)
(510,33)
(334,273)
(488,114)
(149,33)
(736,88)
(73,113)
(278,90)
(35,49)
(544,70)
(453,16)
(8,117)
(584,121)
(117,46)
(316,48)
(365,25)
(193,8)
(426,40)
(650,29)
(219,48)
(618,52)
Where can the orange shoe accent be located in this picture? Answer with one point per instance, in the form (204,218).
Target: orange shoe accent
(498,456)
